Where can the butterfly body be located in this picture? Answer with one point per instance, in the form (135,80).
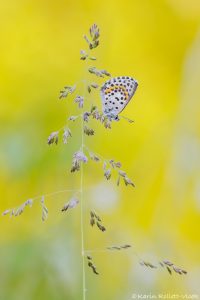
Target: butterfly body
(116,94)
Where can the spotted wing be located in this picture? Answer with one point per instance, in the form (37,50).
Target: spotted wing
(116,94)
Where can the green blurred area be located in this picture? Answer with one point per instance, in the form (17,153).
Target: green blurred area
(158,43)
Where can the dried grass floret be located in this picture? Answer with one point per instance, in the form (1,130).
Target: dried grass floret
(94,32)
(126,180)
(94,35)
(101,227)
(121,247)
(171,267)
(44,209)
(88,131)
(94,85)
(86,116)
(115,164)
(107,174)
(90,86)
(66,135)
(53,138)
(67,90)
(80,101)
(91,264)
(73,118)
(95,219)
(98,73)
(83,54)
(73,202)
(18,211)
(29,202)
(6,212)
(78,157)
(94,157)
(147,264)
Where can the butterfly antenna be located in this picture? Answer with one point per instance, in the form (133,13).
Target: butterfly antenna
(127,119)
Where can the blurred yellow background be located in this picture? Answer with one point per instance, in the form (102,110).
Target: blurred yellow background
(158,43)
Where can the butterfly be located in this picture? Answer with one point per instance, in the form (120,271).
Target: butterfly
(116,94)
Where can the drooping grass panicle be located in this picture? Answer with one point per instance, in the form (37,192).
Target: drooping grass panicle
(17,211)
(166,264)
(111,167)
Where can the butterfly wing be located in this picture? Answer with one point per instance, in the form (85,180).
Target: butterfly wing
(116,94)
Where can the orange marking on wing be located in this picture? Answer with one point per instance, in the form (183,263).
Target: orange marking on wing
(126,95)
(117,87)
